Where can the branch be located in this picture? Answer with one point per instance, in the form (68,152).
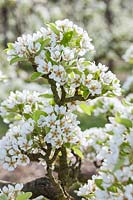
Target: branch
(53,180)
(54,90)
(55,155)
(41,186)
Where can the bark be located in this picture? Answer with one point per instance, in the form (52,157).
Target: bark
(40,186)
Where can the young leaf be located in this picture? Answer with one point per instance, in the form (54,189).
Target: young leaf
(36,75)
(77,152)
(52,26)
(24,196)
(99,183)
(67,37)
(87,109)
(36,115)
(46,95)
(112,188)
(126,122)
(16,59)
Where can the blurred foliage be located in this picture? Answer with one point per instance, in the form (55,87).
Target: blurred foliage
(91,121)
(3,128)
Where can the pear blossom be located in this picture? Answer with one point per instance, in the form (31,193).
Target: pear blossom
(95,87)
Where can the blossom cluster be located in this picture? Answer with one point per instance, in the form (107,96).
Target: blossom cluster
(105,105)
(54,40)
(60,125)
(93,140)
(30,113)
(11,192)
(20,104)
(115,175)
(16,144)
(58,53)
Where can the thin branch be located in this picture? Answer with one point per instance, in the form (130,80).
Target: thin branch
(55,155)
(54,90)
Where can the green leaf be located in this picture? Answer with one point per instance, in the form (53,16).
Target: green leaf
(86,93)
(24,196)
(53,27)
(77,152)
(99,183)
(3,197)
(112,188)
(119,164)
(36,115)
(126,122)
(67,37)
(16,59)
(27,116)
(46,95)
(48,57)
(10,45)
(87,109)
(35,75)
(43,43)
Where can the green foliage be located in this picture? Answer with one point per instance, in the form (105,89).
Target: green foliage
(77,152)
(52,26)
(126,122)
(24,196)
(3,197)
(35,75)
(87,121)
(67,37)
(119,164)
(87,109)
(99,183)
(36,115)
(46,95)
(17,59)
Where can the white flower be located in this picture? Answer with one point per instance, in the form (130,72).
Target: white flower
(88,79)
(76,81)
(27,127)
(56,53)
(95,87)
(58,74)
(107,77)
(68,54)
(102,68)
(44,68)
(23,160)
(86,189)
(129,191)
(27,109)
(11,191)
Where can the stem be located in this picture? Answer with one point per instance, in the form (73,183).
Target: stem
(55,92)
(49,163)
(63,168)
